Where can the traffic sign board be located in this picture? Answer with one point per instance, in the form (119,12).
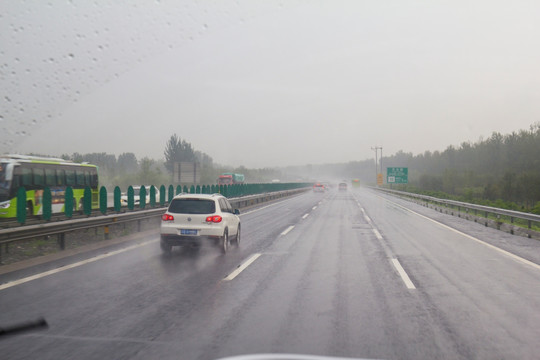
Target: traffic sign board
(397,175)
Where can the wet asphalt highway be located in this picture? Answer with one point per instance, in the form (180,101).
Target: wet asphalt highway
(352,274)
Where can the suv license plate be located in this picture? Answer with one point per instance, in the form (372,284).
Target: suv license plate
(188,232)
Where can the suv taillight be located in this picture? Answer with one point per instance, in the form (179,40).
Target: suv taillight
(214,219)
(167,217)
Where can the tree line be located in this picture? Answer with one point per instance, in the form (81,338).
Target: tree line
(123,170)
(126,169)
(502,170)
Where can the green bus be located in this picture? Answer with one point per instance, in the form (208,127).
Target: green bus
(37,173)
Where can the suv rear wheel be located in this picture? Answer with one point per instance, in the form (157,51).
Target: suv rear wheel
(236,241)
(225,242)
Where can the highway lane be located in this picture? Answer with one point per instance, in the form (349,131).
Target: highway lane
(323,280)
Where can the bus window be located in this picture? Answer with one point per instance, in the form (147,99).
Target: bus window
(80,177)
(60,177)
(70,177)
(26,177)
(87,178)
(39,179)
(94,182)
(50,177)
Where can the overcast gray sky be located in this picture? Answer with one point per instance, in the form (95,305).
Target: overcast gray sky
(265,83)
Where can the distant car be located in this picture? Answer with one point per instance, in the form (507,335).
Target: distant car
(318,187)
(195,219)
(136,195)
(342,186)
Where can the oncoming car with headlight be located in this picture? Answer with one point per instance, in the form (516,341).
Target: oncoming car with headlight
(195,219)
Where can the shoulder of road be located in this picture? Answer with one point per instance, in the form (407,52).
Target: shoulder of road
(24,264)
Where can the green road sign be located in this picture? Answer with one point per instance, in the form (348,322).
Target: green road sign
(397,175)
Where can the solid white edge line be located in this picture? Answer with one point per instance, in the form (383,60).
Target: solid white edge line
(242,267)
(305,216)
(287,230)
(403,274)
(71,266)
(493,247)
(377,234)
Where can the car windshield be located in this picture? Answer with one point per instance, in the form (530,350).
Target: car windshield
(192,206)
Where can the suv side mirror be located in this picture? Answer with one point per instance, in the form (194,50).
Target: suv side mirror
(236,212)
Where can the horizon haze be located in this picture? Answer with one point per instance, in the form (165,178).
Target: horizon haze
(265,84)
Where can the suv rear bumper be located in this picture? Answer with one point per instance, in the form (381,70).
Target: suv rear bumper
(178,240)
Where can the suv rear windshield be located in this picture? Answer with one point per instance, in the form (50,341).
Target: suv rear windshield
(192,206)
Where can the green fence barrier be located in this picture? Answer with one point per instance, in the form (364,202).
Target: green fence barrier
(117,199)
(87,201)
(103,200)
(46,204)
(142,197)
(68,202)
(162,195)
(25,206)
(21,205)
(152,196)
(130,198)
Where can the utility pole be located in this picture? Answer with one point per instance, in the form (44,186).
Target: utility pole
(376,149)
(381,159)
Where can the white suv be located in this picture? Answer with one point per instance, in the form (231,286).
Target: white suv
(193,219)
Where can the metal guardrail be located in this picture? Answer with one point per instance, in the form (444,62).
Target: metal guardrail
(60,228)
(467,206)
